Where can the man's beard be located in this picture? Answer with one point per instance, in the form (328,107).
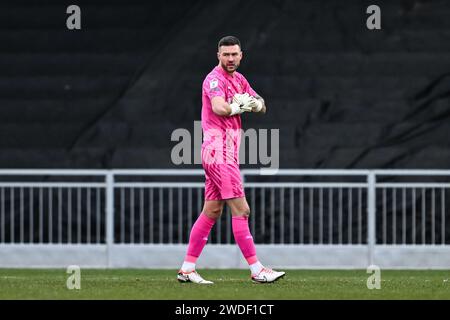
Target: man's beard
(226,67)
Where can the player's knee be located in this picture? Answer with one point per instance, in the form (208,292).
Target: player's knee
(245,212)
(214,213)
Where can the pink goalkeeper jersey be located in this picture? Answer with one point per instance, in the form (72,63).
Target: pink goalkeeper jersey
(218,83)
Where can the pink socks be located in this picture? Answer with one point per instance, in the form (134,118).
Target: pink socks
(244,239)
(198,238)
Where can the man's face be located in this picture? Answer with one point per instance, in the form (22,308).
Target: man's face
(230,57)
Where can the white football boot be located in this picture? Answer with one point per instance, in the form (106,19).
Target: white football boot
(192,276)
(267,275)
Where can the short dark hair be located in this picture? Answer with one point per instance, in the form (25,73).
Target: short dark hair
(229,41)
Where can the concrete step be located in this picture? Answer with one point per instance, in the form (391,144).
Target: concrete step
(43,136)
(70,64)
(51,111)
(61,87)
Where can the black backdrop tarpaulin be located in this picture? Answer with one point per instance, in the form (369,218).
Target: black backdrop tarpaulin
(110,95)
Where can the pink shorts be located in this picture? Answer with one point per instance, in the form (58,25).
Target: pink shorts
(222,180)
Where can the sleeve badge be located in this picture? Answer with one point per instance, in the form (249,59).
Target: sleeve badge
(213,83)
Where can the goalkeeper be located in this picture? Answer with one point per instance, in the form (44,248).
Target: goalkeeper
(226,94)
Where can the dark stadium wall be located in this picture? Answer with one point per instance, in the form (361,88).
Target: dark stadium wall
(110,95)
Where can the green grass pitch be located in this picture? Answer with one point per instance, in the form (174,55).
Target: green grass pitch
(229,284)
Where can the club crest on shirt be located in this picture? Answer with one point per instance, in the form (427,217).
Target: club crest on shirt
(213,83)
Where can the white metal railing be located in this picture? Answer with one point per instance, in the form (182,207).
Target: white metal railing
(46,211)
(366,208)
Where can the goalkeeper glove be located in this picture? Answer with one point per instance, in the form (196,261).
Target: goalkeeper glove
(256,105)
(241,103)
